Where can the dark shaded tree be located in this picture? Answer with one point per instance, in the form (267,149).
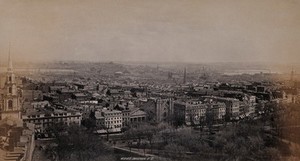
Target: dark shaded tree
(77,144)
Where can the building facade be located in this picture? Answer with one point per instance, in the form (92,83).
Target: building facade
(45,118)
(219,111)
(158,109)
(190,112)
(109,120)
(232,105)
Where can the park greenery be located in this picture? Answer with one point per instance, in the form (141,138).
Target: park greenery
(75,143)
(244,141)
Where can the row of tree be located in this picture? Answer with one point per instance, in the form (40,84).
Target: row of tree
(244,141)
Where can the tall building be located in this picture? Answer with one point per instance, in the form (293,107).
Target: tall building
(10,103)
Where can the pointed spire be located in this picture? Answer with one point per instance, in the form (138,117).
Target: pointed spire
(292,74)
(10,65)
(184,75)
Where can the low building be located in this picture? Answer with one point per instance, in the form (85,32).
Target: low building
(218,110)
(31,95)
(18,140)
(137,116)
(86,109)
(43,118)
(79,86)
(289,95)
(232,105)
(54,89)
(131,116)
(249,105)
(190,112)
(40,104)
(109,120)
(158,109)
(80,96)
(65,94)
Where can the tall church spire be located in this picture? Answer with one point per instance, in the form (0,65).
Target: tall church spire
(292,74)
(11,98)
(184,76)
(10,65)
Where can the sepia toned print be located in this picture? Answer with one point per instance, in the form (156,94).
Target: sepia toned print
(135,80)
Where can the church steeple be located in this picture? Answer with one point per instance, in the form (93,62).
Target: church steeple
(184,76)
(11,103)
(10,76)
(10,65)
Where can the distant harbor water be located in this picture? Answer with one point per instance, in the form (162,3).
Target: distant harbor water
(42,70)
(251,72)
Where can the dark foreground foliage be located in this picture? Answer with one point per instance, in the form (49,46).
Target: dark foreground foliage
(75,143)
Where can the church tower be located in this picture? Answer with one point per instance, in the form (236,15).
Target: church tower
(11,106)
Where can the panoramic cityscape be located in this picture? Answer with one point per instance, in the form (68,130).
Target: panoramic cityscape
(118,111)
(149,80)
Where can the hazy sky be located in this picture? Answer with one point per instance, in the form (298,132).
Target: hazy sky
(151,30)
